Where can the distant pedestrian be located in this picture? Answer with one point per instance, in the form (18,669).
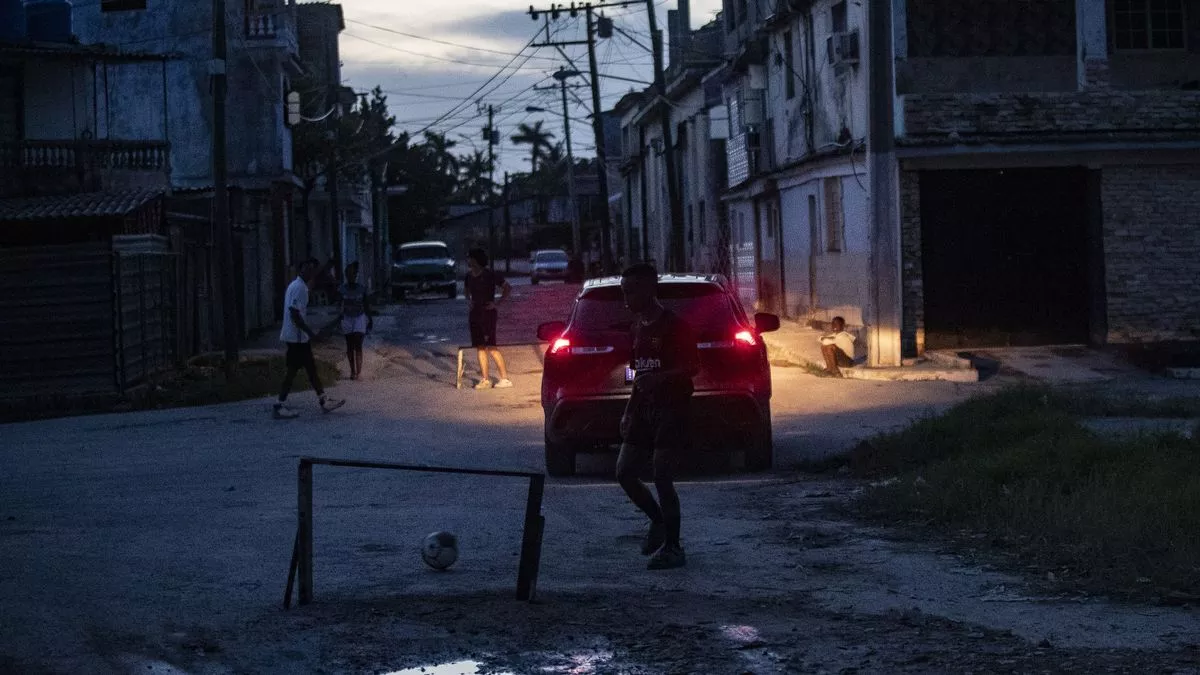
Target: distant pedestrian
(356,318)
(298,336)
(656,425)
(837,347)
(482,317)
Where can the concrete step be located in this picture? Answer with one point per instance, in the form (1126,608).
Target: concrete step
(922,372)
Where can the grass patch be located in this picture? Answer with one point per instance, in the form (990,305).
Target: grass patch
(201,382)
(1121,514)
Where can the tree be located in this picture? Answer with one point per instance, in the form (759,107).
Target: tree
(537,138)
(326,142)
(475,183)
(430,178)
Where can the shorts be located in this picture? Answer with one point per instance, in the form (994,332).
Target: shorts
(300,356)
(483,327)
(659,427)
(354,324)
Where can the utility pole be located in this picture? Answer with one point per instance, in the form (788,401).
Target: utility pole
(676,262)
(490,133)
(606,248)
(221,225)
(507,228)
(576,235)
(589,9)
(335,121)
(884,315)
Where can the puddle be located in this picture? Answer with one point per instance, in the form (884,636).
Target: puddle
(452,668)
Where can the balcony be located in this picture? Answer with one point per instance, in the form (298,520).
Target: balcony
(272,24)
(67,166)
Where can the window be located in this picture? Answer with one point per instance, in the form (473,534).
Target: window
(1148,24)
(121,5)
(789,65)
(838,22)
(705,306)
(834,222)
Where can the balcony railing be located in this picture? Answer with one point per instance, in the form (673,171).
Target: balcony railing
(272,23)
(70,154)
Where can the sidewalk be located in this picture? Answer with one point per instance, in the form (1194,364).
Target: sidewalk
(798,345)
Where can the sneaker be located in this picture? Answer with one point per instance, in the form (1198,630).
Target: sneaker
(655,537)
(504,384)
(666,558)
(282,412)
(484,384)
(329,404)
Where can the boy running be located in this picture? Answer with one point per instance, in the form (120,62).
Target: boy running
(356,318)
(298,336)
(480,287)
(656,420)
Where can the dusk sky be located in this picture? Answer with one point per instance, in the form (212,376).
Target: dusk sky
(425,79)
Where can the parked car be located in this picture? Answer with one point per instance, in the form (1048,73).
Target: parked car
(422,267)
(548,264)
(586,380)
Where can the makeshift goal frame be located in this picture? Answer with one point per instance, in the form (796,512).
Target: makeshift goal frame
(302,550)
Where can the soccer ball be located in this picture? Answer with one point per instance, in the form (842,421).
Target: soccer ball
(439,550)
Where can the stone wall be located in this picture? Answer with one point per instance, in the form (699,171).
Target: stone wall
(1099,111)
(1152,252)
(912,327)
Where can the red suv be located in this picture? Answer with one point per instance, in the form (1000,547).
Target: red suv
(586,380)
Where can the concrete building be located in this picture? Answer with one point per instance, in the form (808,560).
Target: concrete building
(262,62)
(1046,172)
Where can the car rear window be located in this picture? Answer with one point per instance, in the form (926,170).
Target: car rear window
(704,306)
(552,256)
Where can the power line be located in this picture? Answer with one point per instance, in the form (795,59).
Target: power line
(421,54)
(441,42)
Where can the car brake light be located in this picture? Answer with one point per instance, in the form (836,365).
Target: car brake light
(745,337)
(560,345)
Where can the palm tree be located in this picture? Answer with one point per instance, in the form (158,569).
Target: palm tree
(439,147)
(537,138)
(475,182)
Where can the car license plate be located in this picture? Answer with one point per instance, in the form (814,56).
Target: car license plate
(629,374)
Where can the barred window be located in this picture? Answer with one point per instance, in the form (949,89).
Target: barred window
(1148,24)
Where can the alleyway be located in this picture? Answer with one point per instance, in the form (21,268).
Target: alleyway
(159,542)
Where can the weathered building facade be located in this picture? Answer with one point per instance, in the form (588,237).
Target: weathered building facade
(1046,172)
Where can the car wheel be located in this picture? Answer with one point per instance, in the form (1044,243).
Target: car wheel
(760,455)
(560,458)
(452,292)
(534,280)
(398,295)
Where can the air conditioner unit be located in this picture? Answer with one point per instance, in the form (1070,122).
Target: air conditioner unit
(842,48)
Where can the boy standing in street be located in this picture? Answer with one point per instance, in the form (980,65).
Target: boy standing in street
(482,317)
(298,336)
(656,423)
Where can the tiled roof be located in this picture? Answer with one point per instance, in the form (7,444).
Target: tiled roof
(82,205)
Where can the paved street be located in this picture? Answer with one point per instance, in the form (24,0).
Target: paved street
(159,542)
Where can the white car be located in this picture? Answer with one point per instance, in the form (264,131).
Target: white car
(548,264)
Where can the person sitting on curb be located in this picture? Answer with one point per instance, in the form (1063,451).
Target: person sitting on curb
(837,347)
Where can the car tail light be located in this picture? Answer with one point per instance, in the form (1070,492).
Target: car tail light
(745,338)
(560,345)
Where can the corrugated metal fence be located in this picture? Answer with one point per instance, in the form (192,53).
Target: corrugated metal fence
(83,319)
